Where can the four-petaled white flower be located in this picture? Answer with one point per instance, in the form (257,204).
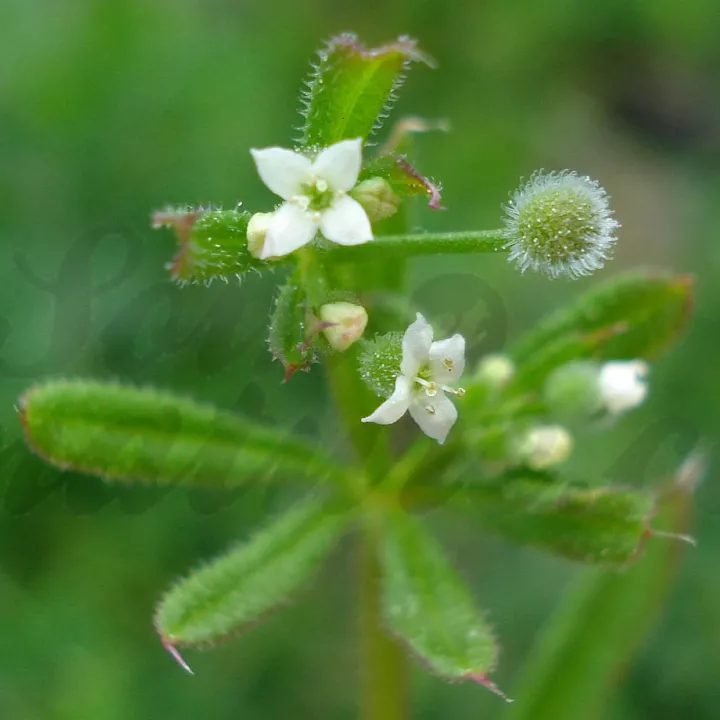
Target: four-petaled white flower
(420,387)
(622,385)
(315,194)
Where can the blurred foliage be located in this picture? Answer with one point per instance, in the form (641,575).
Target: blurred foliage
(109,110)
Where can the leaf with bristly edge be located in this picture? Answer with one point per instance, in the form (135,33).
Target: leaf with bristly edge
(428,606)
(593,525)
(634,315)
(351,88)
(243,585)
(122,432)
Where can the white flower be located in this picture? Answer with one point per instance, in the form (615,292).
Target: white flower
(622,385)
(545,446)
(420,388)
(315,194)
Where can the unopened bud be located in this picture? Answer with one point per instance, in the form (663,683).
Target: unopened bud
(622,385)
(256,231)
(377,197)
(495,371)
(344,323)
(544,446)
(560,223)
(572,391)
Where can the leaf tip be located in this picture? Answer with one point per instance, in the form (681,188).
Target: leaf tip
(175,654)
(485,681)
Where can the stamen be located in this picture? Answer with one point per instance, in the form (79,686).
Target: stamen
(321,185)
(448,363)
(430,409)
(430,387)
(459,392)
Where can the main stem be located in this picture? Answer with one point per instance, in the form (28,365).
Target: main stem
(381,659)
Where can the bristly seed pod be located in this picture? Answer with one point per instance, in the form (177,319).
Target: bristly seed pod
(561,224)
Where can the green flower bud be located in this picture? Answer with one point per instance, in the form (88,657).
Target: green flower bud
(560,223)
(544,446)
(380,363)
(377,197)
(495,371)
(573,392)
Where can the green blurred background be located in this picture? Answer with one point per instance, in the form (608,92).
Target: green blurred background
(112,108)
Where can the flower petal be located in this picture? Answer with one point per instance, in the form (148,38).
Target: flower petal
(283,171)
(345,222)
(622,385)
(290,228)
(447,359)
(435,415)
(416,346)
(395,406)
(339,164)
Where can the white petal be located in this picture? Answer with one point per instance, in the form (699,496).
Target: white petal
(416,346)
(290,228)
(339,164)
(447,359)
(622,385)
(395,406)
(345,222)
(435,415)
(283,171)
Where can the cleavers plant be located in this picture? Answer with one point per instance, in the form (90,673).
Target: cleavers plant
(339,234)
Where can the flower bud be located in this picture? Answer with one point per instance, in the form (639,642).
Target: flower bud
(256,230)
(622,385)
(561,224)
(377,197)
(544,446)
(572,391)
(380,363)
(344,323)
(495,371)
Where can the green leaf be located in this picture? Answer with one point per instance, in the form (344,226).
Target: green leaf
(243,585)
(403,178)
(634,315)
(212,244)
(592,525)
(122,432)
(351,88)
(427,605)
(587,644)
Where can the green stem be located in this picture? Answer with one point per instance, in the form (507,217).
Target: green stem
(382,660)
(403,246)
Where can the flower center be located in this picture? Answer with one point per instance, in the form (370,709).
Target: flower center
(318,193)
(431,388)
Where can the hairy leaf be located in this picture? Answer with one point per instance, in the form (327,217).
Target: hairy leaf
(631,316)
(593,525)
(243,585)
(351,88)
(589,641)
(212,244)
(122,432)
(428,606)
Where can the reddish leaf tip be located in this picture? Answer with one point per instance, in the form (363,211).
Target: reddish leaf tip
(175,654)
(484,680)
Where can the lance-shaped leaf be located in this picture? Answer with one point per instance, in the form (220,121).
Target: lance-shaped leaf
(212,244)
(403,178)
(428,606)
(587,644)
(249,581)
(127,433)
(631,316)
(593,525)
(351,88)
